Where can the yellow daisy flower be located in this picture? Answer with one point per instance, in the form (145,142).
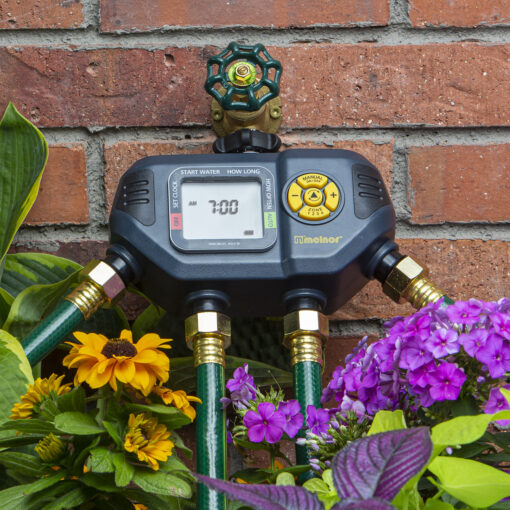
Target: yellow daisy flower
(179,399)
(41,390)
(100,360)
(148,439)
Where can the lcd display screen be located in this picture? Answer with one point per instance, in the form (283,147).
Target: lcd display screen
(222,210)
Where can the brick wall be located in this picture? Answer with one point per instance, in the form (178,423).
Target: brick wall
(420,87)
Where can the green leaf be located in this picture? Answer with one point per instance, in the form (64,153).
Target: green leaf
(437,504)
(252,475)
(168,415)
(101,461)
(22,270)
(23,155)
(179,443)
(147,321)
(12,498)
(23,463)
(463,429)
(48,410)
(72,499)
(251,446)
(37,500)
(471,482)
(6,301)
(101,482)
(15,373)
(151,501)
(20,440)
(30,426)
(316,485)
(113,431)
(285,479)
(80,424)
(163,484)
(72,401)
(385,421)
(43,483)
(124,471)
(506,394)
(183,376)
(172,464)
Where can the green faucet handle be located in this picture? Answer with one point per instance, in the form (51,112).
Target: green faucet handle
(237,74)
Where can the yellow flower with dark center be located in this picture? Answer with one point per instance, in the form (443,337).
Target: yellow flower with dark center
(148,439)
(50,448)
(100,360)
(41,390)
(179,399)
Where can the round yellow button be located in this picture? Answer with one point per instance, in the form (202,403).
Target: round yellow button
(313,197)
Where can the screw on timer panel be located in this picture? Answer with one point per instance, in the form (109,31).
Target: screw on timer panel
(245,232)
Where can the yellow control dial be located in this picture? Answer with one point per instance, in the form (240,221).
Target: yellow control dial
(294,197)
(314,213)
(312,181)
(332,196)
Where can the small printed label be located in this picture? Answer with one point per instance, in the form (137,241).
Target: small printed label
(317,239)
(270,219)
(176,221)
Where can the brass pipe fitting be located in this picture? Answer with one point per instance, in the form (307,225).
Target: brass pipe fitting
(304,333)
(208,334)
(408,281)
(101,285)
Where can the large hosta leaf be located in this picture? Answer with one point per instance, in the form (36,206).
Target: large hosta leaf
(266,497)
(23,154)
(15,373)
(378,466)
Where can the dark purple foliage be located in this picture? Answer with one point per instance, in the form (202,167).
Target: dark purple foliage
(379,466)
(367,504)
(266,497)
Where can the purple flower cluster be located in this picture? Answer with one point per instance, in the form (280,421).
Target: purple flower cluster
(427,358)
(241,387)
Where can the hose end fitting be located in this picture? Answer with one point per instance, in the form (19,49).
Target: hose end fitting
(101,284)
(304,333)
(208,334)
(408,281)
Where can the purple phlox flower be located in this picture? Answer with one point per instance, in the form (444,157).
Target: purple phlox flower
(414,355)
(501,323)
(446,382)
(495,354)
(503,305)
(390,384)
(418,379)
(241,386)
(348,404)
(266,423)
(387,350)
(418,326)
(426,399)
(335,386)
(443,342)
(497,402)
(352,377)
(374,400)
(355,352)
(317,420)
(293,417)
(465,312)
(473,341)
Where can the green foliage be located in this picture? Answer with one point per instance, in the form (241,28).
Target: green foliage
(324,488)
(387,420)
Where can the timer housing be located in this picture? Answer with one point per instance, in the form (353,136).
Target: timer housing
(314,220)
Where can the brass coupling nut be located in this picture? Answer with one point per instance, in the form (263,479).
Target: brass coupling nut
(208,334)
(408,281)
(304,333)
(101,285)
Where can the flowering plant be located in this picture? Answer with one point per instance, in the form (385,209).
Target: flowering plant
(114,447)
(459,353)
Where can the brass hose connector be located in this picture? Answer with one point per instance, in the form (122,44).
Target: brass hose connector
(304,333)
(101,285)
(408,281)
(208,334)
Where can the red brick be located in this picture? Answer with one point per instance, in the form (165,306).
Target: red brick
(461,268)
(365,85)
(41,14)
(459,183)
(63,194)
(132,15)
(459,13)
(121,155)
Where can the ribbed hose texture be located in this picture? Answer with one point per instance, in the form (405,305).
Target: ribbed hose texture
(307,390)
(211,433)
(49,333)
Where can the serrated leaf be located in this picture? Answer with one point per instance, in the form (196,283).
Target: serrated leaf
(385,421)
(379,466)
(163,484)
(12,498)
(265,497)
(471,482)
(101,461)
(23,155)
(112,429)
(101,482)
(124,471)
(80,424)
(15,375)
(72,401)
(173,463)
(48,410)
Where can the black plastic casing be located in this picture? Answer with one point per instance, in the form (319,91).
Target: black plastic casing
(301,259)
